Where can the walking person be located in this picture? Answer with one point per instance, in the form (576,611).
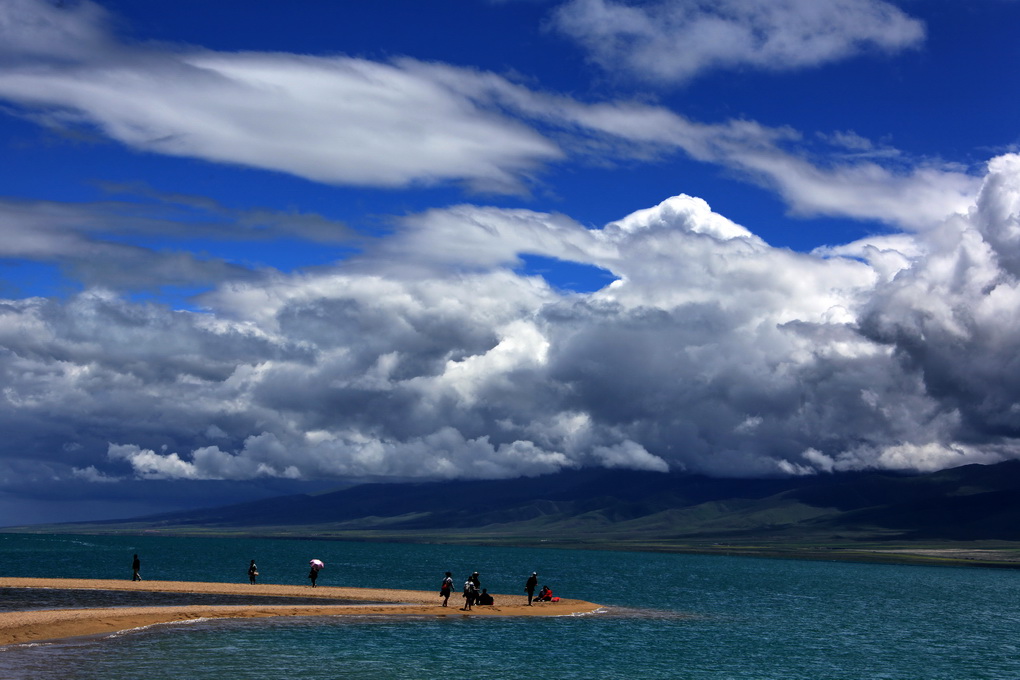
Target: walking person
(470,594)
(447,588)
(530,585)
(253,572)
(315,565)
(136,565)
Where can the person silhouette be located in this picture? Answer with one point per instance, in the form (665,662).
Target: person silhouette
(447,588)
(530,585)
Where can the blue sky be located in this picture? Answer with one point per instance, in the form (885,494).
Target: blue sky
(258,247)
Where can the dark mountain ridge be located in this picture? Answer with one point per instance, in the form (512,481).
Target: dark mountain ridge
(964,503)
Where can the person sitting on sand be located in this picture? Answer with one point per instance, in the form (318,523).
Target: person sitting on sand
(253,572)
(485,598)
(544,595)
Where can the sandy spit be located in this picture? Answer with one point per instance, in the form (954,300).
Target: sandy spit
(35,626)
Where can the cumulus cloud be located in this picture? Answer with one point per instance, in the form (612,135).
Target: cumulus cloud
(951,317)
(710,352)
(343,120)
(672,41)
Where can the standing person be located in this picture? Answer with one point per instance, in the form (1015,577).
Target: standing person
(253,572)
(470,593)
(477,581)
(136,565)
(446,588)
(530,585)
(315,565)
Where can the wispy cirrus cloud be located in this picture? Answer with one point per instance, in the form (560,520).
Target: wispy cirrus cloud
(342,120)
(91,241)
(673,41)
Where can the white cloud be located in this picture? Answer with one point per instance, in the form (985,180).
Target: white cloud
(335,120)
(92,474)
(933,456)
(39,29)
(675,40)
(917,198)
(630,455)
(147,464)
(713,352)
(342,120)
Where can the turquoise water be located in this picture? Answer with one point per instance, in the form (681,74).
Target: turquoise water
(668,616)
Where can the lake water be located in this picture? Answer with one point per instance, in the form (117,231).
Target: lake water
(667,616)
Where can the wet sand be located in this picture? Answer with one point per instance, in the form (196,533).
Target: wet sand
(33,626)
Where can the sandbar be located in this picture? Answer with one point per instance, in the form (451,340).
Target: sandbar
(21,627)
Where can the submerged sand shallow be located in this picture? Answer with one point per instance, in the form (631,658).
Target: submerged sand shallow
(33,626)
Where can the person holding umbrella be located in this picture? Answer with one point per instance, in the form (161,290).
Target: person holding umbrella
(313,573)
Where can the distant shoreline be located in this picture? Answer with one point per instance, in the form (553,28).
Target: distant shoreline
(988,558)
(989,554)
(22,627)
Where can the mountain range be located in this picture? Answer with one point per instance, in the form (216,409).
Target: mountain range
(626,508)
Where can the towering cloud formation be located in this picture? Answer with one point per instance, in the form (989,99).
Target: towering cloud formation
(432,356)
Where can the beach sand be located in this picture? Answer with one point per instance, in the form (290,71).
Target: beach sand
(33,626)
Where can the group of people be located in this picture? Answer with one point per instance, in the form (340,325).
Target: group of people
(313,572)
(474,594)
(544,595)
